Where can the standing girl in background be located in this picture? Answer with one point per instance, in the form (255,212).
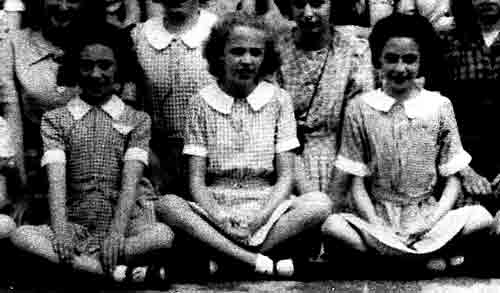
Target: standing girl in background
(239,137)
(322,68)
(400,142)
(95,151)
(169,51)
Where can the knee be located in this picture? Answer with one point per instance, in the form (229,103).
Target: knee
(164,234)
(21,236)
(331,224)
(318,204)
(169,203)
(7,226)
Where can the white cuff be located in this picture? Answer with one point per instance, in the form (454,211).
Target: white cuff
(286,145)
(455,164)
(14,5)
(53,156)
(136,154)
(352,167)
(195,150)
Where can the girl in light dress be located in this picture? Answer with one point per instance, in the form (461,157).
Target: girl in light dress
(240,134)
(402,145)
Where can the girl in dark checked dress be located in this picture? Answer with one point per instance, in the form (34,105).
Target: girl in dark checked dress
(95,151)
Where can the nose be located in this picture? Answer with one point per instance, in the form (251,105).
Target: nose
(308,11)
(96,72)
(63,4)
(246,58)
(400,66)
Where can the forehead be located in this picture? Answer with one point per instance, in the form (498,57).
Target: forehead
(97,51)
(77,2)
(244,35)
(400,44)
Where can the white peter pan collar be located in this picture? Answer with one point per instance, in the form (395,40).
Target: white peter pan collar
(222,102)
(114,107)
(159,38)
(423,104)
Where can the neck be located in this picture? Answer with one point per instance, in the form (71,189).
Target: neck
(93,101)
(237,91)
(175,26)
(313,42)
(401,95)
(489,25)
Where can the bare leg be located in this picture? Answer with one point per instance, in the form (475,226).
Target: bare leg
(154,238)
(32,240)
(337,228)
(177,213)
(479,219)
(308,211)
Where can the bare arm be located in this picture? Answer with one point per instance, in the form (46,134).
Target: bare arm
(362,201)
(282,188)
(197,185)
(57,196)
(448,199)
(131,174)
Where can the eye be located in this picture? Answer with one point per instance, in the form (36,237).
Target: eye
(391,58)
(316,3)
(409,58)
(86,65)
(104,65)
(237,51)
(256,52)
(299,3)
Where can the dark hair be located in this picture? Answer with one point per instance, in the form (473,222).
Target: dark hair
(35,17)
(466,20)
(419,29)
(107,35)
(213,50)
(341,12)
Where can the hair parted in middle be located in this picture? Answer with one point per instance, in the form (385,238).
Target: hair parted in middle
(419,29)
(213,50)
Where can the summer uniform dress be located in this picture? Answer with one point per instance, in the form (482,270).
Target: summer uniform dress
(175,70)
(240,139)
(93,143)
(403,149)
(347,70)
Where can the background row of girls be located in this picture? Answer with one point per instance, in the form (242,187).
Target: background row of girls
(314,163)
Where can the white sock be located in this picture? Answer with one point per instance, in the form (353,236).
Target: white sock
(264,265)
(213,267)
(139,274)
(285,267)
(120,273)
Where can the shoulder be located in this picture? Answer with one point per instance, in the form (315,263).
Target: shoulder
(134,116)
(282,96)
(60,115)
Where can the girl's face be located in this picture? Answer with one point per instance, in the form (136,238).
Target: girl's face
(97,72)
(311,16)
(179,10)
(61,13)
(400,63)
(487,9)
(243,56)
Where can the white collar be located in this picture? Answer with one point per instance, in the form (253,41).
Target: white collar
(222,102)
(424,103)
(78,108)
(160,38)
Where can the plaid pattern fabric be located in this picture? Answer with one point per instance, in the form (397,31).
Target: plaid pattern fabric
(173,75)
(403,149)
(95,146)
(347,71)
(31,78)
(242,143)
(471,60)
(240,139)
